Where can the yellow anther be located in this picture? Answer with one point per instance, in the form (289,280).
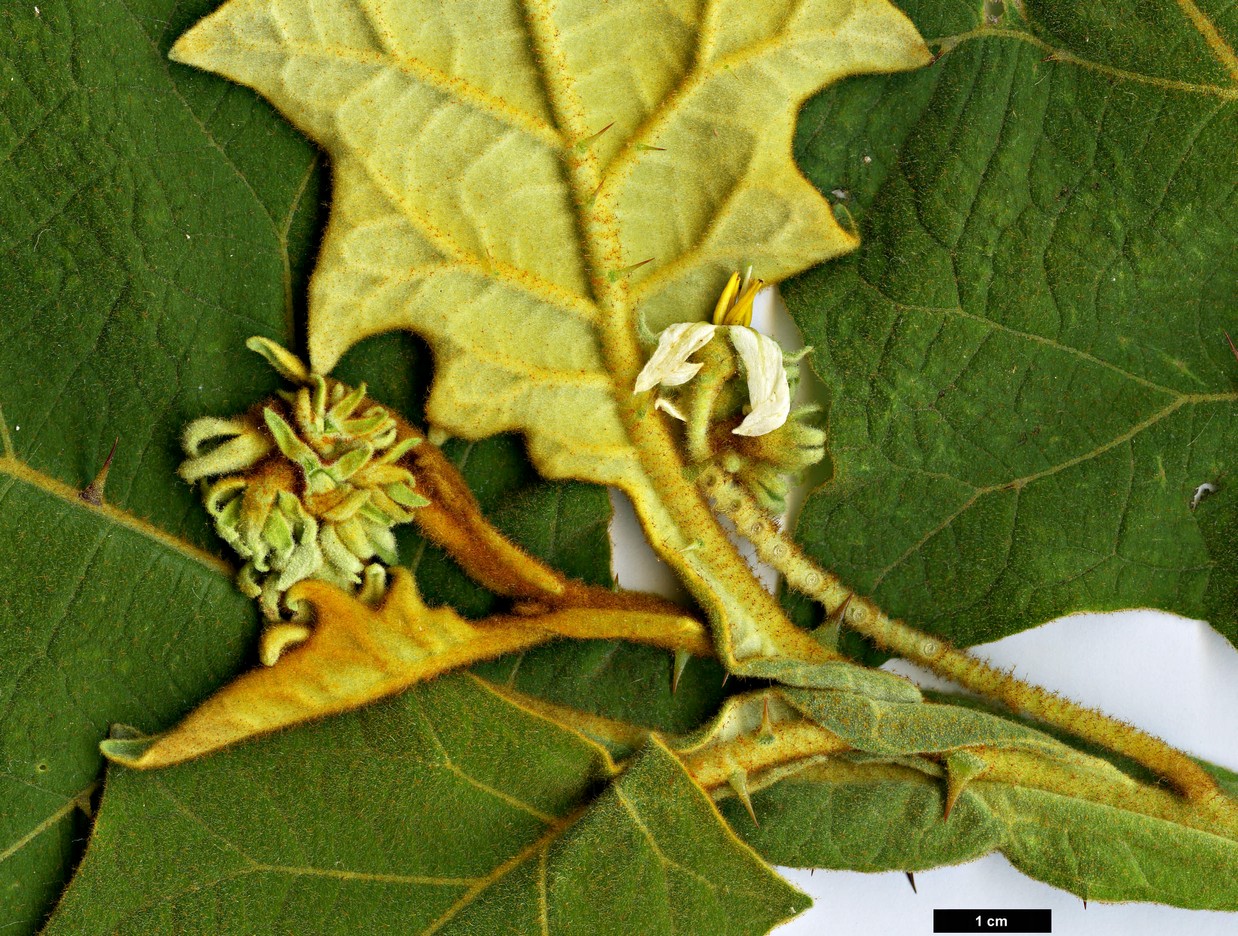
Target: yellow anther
(735,304)
(729,292)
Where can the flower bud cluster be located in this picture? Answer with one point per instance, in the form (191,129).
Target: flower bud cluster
(734,397)
(308,485)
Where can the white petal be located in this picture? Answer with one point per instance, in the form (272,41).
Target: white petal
(669,364)
(670,408)
(768,390)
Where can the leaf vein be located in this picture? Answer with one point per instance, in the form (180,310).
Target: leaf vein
(451,87)
(1033,337)
(948,44)
(1216,42)
(665,860)
(343,874)
(23,473)
(450,765)
(206,133)
(73,803)
(1019,483)
(523,281)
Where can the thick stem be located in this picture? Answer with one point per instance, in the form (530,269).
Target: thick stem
(454,520)
(717,766)
(1216,815)
(748,622)
(670,632)
(933,653)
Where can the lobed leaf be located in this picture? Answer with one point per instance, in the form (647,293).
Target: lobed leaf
(477,815)
(514,184)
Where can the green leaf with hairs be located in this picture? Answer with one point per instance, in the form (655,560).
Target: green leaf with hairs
(154,218)
(1026,359)
(143,240)
(476,817)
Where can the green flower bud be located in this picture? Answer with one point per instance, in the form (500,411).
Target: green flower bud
(306,486)
(733,398)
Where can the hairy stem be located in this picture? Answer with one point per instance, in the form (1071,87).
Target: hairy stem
(670,632)
(717,766)
(454,520)
(748,622)
(933,653)
(1216,815)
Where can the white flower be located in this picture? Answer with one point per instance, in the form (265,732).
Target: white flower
(669,365)
(769,393)
(768,389)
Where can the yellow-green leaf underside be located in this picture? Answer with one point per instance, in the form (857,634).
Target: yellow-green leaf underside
(501,168)
(457,135)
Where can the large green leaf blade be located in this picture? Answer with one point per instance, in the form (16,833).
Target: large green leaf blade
(103,622)
(447,809)
(1026,361)
(328,813)
(125,285)
(154,218)
(141,244)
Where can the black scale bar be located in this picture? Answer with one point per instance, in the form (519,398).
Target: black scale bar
(992,921)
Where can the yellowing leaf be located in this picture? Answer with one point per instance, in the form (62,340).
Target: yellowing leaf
(528,184)
(355,654)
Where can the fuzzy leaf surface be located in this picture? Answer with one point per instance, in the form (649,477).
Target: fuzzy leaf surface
(486,818)
(142,242)
(459,140)
(530,185)
(154,218)
(826,817)
(1028,372)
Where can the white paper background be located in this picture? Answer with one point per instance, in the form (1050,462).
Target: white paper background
(1174,677)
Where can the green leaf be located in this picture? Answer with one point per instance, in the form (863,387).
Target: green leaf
(104,620)
(142,239)
(476,816)
(1026,363)
(884,817)
(864,817)
(1101,853)
(154,218)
